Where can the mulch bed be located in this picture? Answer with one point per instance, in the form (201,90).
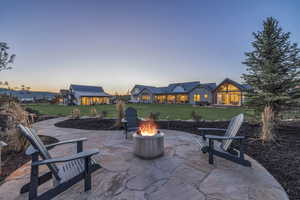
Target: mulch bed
(281,158)
(88,124)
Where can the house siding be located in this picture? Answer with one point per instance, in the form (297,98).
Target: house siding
(146,92)
(202,92)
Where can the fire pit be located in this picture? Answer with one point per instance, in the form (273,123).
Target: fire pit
(148,141)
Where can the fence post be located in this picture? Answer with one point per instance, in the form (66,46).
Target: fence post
(2,144)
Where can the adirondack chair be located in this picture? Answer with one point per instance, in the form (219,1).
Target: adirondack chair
(75,168)
(223,149)
(2,144)
(130,121)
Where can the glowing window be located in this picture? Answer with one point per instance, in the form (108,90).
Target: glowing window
(146,98)
(197,97)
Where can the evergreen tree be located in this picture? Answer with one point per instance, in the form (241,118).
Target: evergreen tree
(273,72)
(272,68)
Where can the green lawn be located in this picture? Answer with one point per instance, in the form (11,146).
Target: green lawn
(171,111)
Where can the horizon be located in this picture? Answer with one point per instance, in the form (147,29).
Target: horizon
(118,45)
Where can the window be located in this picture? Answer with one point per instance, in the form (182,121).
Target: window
(94,100)
(182,98)
(171,98)
(145,98)
(206,96)
(197,98)
(160,98)
(227,87)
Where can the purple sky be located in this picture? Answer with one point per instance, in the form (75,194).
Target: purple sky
(117,44)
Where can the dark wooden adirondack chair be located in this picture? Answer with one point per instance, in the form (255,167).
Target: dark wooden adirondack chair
(130,121)
(223,150)
(75,168)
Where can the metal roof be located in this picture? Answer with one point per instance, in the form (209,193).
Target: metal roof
(20,94)
(86,88)
(187,87)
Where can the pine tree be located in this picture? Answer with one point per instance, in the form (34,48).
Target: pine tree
(272,68)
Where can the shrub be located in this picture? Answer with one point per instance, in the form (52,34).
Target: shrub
(120,107)
(75,114)
(18,115)
(196,116)
(93,112)
(102,114)
(32,111)
(154,116)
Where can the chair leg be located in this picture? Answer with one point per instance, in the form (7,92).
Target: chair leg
(79,146)
(87,176)
(42,179)
(210,152)
(34,179)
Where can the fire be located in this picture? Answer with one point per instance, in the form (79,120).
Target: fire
(148,128)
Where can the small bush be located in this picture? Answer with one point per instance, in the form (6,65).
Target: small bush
(196,116)
(93,112)
(103,114)
(75,114)
(202,103)
(16,140)
(32,111)
(154,116)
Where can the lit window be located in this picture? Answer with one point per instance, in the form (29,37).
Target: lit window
(197,97)
(145,97)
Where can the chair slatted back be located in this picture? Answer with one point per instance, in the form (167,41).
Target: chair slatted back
(131,117)
(232,130)
(37,143)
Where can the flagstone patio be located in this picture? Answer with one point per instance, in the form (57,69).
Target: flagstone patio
(183,173)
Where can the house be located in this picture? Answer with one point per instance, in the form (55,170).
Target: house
(229,92)
(87,95)
(175,93)
(25,96)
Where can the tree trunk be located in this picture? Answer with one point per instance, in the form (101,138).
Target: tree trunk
(267,118)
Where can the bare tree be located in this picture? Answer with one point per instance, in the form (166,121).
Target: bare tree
(5,59)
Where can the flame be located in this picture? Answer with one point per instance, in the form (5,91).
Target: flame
(148,128)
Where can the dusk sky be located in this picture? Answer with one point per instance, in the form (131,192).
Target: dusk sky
(117,44)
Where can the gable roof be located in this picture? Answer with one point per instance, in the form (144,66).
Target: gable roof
(89,91)
(187,86)
(86,88)
(242,87)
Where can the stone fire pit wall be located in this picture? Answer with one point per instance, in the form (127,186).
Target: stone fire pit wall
(148,147)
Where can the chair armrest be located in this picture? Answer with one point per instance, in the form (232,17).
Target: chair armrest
(211,129)
(31,150)
(216,137)
(65,142)
(133,128)
(77,156)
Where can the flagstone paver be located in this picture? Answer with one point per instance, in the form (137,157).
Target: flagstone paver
(183,172)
